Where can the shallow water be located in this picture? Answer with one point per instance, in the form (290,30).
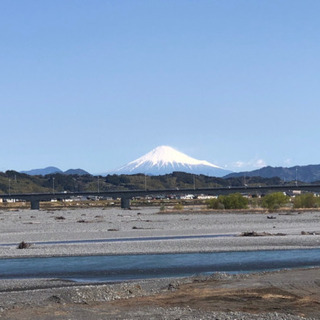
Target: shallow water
(124,267)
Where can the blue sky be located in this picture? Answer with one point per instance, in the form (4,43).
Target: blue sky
(94,84)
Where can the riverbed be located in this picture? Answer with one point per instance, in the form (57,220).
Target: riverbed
(288,294)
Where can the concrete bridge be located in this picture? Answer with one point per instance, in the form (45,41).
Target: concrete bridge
(126,196)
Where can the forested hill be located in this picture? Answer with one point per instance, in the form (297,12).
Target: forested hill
(15,182)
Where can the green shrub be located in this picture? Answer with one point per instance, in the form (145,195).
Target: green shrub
(178,206)
(274,201)
(231,201)
(306,200)
(234,201)
(213,203)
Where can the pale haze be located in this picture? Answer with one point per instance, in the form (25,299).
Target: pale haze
(97,84)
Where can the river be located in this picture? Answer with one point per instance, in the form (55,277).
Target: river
(127,267)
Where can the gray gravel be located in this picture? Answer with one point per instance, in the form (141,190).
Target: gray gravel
(22,294)
(95,223)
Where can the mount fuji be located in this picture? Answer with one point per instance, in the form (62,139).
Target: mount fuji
(165,160)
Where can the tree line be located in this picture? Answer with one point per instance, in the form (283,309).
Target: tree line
(271,201)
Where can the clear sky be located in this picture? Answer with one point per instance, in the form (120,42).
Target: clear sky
(94,84)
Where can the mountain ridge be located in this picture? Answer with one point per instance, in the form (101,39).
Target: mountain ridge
(53,170)
(307,173)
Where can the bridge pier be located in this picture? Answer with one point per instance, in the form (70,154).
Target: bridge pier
(125,203)
(35,204)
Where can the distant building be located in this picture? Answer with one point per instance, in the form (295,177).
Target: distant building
(206,197)
(187,197)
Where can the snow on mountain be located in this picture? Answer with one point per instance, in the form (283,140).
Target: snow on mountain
(165,159)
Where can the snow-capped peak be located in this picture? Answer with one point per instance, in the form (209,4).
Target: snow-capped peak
(166,160)
(165,155)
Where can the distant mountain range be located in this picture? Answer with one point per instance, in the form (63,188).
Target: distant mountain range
(52,170)
(308,173)
(165,160)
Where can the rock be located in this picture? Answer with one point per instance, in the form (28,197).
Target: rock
(54,299)
(24,245)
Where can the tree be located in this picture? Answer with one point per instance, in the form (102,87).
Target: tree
(231,201)
(215,204)
(274,201)
(234,201)
(307,200)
